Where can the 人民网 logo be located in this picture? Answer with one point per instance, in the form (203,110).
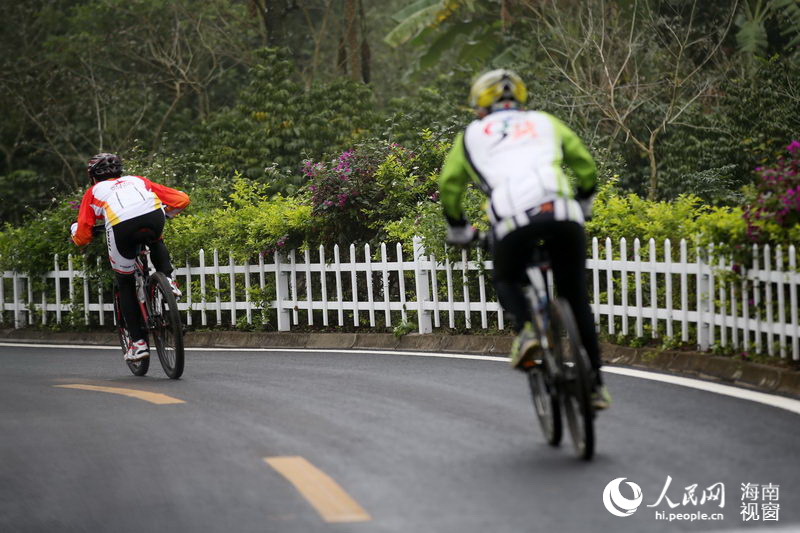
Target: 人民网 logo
(616,503)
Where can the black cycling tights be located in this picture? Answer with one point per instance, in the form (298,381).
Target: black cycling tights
(565,241)
(144,229)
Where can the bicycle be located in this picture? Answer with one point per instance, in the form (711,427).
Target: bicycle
(562,378)
(160,315)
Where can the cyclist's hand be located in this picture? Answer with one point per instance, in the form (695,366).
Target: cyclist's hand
(460,235)
(73,228)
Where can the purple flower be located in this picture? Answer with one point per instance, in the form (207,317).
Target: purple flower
(793,146)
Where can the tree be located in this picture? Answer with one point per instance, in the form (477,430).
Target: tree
(754,20)
(639,69)
(472,31)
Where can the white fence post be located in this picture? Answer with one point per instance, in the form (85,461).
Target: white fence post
(17,312)
(218,297)
(703,294)
(232,283)
(668,280)
(29,286)
(354,283)
(3,296)
(338,276)
(623,282)
(422,288)
(188,290)
(281,294)
(610,285)
(309,292)
(58,288)
(293,265)
(203,303)
(368,260)
(793,276)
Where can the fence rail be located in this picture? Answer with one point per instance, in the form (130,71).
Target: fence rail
(643,291)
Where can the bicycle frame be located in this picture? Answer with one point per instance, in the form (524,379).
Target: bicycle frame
(538,294)
(141,271)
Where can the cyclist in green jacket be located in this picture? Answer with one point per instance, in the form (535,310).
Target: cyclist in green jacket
(515,157)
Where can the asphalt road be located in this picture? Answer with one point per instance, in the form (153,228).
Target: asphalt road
(420,444)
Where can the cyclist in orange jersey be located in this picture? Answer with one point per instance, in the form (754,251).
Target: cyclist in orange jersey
(134,211)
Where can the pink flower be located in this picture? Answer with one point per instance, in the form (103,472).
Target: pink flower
(793,146)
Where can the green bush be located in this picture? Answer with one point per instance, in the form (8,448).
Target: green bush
(251,222)
(29,248)
(630,216)
(773,204)
(355,197)
(275,124)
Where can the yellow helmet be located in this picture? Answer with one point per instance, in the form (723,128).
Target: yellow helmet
(497,86)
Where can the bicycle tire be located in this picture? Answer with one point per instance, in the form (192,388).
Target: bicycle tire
(138,368)
(166,325)
(546,405)
(576,374)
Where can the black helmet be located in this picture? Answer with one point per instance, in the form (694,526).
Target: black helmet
(104,166)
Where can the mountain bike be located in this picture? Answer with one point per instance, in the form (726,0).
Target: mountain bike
(160,316)
(561,379)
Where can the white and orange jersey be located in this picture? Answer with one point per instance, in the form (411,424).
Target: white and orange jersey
(123,198)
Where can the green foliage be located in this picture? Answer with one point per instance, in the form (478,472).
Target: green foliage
(755,20)
(432,108)
(30,247)
(251,222)
(773,204)
(466,31)
(404,328)
(275,124)
(23,193)
(627,215)
(355,196)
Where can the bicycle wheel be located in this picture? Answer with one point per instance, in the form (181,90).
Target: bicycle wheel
(576,371)
(139,368)
(165,322)
(545,403)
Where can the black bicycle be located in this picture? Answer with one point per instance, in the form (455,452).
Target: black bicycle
(160,316)
(562,378)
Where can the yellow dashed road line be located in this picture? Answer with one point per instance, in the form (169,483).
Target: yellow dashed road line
(321,491)
(152,397)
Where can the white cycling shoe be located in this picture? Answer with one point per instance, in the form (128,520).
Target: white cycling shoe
(174,286)
(137,351)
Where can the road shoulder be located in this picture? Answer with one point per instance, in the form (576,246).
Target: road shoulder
(728,370)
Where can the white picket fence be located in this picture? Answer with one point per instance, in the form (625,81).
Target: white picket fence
(685,299)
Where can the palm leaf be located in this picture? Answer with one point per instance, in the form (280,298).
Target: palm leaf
(789,14)
(480,50)
(412,8)
(414,22)
(752,34)
(445,42)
